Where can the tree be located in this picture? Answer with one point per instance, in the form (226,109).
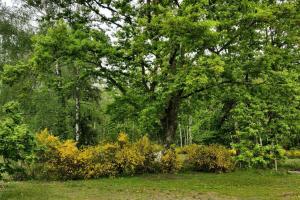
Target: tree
(15,33)
(15,44)
(169,51)
(60,58)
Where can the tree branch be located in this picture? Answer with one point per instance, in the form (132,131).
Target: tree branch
(219,84)
(230,41)
(102,16)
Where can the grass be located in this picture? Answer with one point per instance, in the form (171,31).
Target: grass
(236,185)
(291,164)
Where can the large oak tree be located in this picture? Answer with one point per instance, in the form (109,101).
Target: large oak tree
(167,51)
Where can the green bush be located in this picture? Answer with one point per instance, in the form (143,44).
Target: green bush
(213,158)
(16,141)
(258,156)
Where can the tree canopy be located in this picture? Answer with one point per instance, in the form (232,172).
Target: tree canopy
(206,71)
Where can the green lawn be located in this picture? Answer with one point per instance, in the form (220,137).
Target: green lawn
(236,185)
(291,164)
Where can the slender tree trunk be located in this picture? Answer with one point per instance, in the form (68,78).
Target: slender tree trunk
(186,135)
(260,140)
(169,120)
(77,114)
(190,130)
(180,133)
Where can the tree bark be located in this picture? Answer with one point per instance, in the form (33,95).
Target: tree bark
(169,119)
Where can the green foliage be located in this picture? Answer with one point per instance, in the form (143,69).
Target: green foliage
(165,52)
(16,141)
(224,72)
(290,164)
(212,158)
(15,32)
(67,69)
(257,156)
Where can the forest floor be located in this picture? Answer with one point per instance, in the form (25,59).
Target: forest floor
(258,184)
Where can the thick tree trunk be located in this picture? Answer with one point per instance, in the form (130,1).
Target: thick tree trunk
(169,119)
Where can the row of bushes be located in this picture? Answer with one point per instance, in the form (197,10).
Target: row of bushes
(57,159)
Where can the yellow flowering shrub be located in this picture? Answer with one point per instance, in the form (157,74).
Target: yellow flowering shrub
(170,162)
(101,170)
(64,160)
(232,152)
(47,142)
(97,162)
(292,153)
(128,159)
(213,158)
(190,149)
(105,161)
(150,152)
(61,160)
(122,138)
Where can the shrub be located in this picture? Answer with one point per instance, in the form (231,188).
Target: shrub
(128,159)
(190,149)
(258,156)
(170,162)
(122,138)
(98,161)
(16,141)
(63,160)
(151,153)
(232,152)
(213,158)
(293,153)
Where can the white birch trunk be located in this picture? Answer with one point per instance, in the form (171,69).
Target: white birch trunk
(190,129)
(186,135)
(260,141)
(77,114)
(180,135)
